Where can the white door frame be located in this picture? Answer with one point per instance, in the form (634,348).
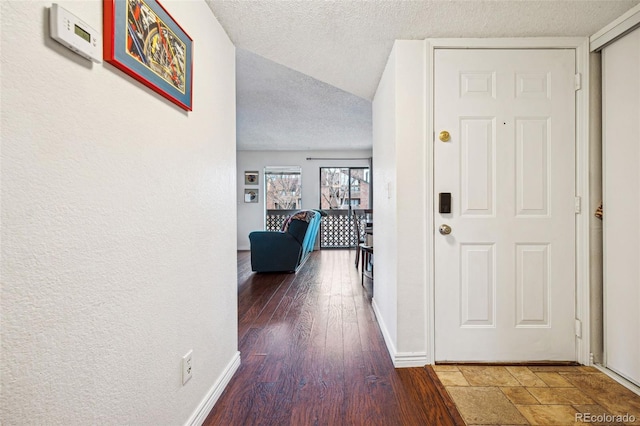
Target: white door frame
(581,47)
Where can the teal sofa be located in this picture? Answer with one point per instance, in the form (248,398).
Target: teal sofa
(288,249)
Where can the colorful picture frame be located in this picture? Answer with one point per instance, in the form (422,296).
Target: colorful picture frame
(250,195)
(251,178)
(144,41)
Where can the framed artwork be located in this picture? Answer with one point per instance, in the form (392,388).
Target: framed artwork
(250,178)
(250,195)
(144,41)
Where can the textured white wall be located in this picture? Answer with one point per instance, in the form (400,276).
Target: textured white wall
(401,197)
(385,237)
(412,194)
(251,215)
(118,211)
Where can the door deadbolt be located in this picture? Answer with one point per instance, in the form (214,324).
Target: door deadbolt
(445,229)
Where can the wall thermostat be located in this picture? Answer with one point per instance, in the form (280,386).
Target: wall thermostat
(70,31)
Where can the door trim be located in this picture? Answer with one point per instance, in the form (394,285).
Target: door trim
(621,26)
(581,47)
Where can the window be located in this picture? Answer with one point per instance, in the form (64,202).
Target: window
(283,188)
(343,192)
(342,188)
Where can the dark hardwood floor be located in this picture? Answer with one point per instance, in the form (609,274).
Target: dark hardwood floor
(313,354)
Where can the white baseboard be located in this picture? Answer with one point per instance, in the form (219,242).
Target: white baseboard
(383,328)
(410,359)
(399,359)
(204,408)
(618,378)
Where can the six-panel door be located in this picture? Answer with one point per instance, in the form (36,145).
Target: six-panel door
(505,275)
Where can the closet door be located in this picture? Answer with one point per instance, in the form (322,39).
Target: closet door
(621,171)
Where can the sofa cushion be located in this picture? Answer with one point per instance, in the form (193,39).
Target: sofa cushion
(305,215)
(297,229)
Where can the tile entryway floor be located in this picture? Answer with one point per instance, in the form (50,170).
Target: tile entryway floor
(563,395)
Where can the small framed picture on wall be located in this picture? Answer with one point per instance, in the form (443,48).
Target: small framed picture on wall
(251,178)
(250,195)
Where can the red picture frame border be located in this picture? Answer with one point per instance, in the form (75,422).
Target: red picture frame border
(109,53)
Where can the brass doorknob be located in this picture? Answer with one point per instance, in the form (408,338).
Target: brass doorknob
(444,136)
(445,229)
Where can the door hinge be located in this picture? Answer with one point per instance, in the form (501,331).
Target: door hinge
(578,81)
(578,329)
(578,205)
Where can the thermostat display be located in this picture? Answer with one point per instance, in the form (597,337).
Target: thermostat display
(70,31)
(82,33)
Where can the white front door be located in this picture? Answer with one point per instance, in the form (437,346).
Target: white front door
(505,275)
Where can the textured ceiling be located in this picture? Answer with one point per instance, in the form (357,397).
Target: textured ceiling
(282,109)
(346,45)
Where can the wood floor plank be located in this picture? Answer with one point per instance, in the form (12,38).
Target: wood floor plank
(313,354)
(418,395)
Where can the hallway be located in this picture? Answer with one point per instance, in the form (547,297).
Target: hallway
(312,353)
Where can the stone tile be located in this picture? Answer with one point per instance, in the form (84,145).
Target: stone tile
(488,376)
(549,414)
(594,409)
(526,377)
(452,378)
(585,369)
(519,395)
(554,368)
(554,380)
(445,368)
(485,406)
(592,412)
(543,395)
(608,393)
(560,396)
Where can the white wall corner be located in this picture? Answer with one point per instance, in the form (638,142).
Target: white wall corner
(429,216)
(388,340)
(202,411)
(384,178)
(412,193)
(399,359)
